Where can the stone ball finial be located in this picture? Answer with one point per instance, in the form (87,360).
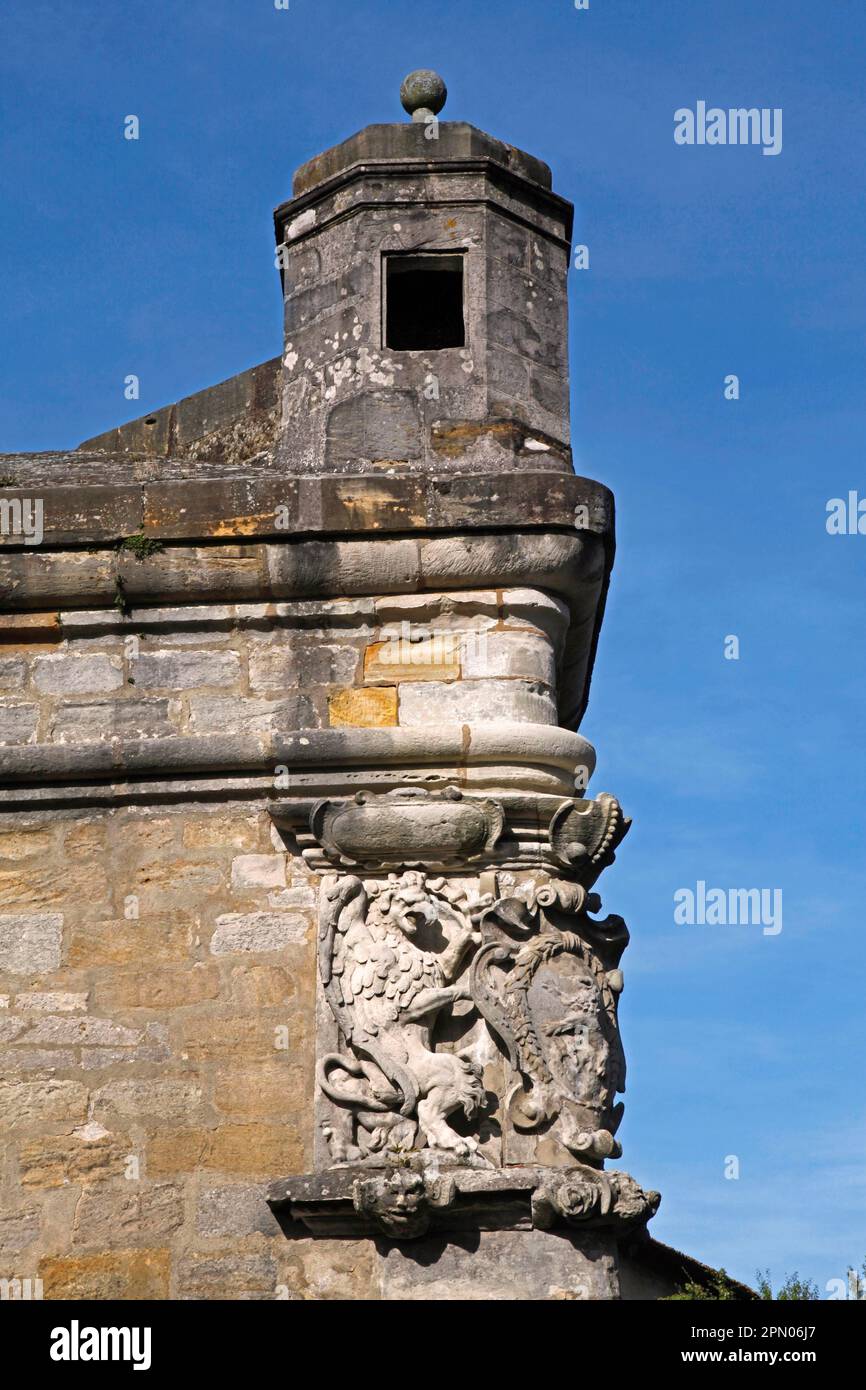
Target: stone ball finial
(423,94)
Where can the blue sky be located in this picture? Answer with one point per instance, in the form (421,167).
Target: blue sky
(156,258)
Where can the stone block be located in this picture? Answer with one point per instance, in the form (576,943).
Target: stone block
(125,1275)
(259,871)
(478,701)
(82,721)
(159,987)
(235,1211)
(51,1002)
(136,1214)
(227,1278)
(258,932)
(155,939)
(185,670)
(372,708)
(18,722)
(18,1230)
(510,654)
(30,942)
(38,885)
(141,1100)
(65,673)
(85,1032)
(219,831)
(23,844)
(258,1149)
(233,714)
(256,1092)
(435,658)
(13,673)
(56,1161)
(49,1101)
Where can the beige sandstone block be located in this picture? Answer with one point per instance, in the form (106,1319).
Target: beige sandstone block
(55,1161)
(435,659)
(159,987)
(121,1274)
(371,708)
(261,1149)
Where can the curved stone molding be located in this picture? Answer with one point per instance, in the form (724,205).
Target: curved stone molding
(326,762)
(406,828)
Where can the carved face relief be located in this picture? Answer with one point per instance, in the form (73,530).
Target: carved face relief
(398,1203)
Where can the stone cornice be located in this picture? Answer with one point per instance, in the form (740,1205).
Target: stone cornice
(264,505)
(318,763)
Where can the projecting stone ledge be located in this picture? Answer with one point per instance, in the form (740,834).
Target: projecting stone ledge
(405,1201)
(78,509)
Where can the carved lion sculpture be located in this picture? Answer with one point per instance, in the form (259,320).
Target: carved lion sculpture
(386,992)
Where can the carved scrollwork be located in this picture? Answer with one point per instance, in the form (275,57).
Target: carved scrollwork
(551,997)
(584,835)
(586,1197)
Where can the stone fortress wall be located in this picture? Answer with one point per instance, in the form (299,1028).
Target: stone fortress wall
(296,667)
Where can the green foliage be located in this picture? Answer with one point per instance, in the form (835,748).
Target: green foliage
(141,546)
(794,1288)
(719,1289)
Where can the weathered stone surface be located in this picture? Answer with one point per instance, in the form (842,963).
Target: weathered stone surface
(363,709)
(161,987)
(256,1092)
(127,942)
(13,673)
(185,670)
(141,1100)
(20,1229)
(514,1265)
(240,714)
(227,1277)
(68,673)
(138,1274)
(258,1149)
(517,701)
(435,658)
(234,1211)
(22,844)
(51,1002)
(18,722)
(259,871)
(30,942)
(26,1103)
(135,1215)
(76,721)
(55,1161)
(258,932)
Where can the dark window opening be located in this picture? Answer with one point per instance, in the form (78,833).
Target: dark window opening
(424,303)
